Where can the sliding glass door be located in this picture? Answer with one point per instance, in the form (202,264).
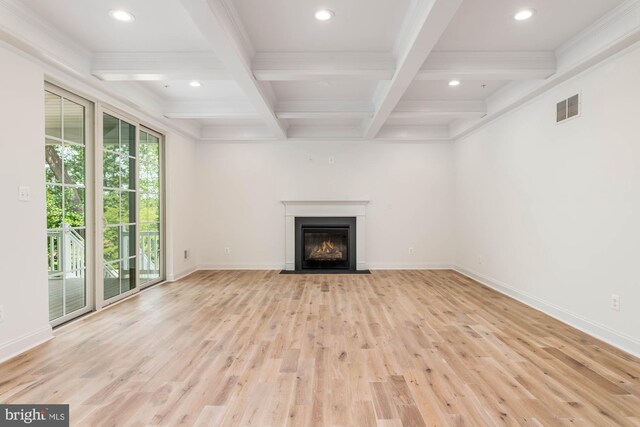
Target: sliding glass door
(119,200)
(151,241)
(68,133)
(132,250)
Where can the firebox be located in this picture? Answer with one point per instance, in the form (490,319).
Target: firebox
(325,243)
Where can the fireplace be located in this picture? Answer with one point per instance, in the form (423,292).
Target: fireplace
(325,244)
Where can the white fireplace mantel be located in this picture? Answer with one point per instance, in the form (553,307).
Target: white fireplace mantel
(318,208)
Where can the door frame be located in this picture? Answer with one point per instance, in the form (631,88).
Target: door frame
(90,207)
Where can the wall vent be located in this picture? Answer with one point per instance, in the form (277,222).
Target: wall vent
(568,108)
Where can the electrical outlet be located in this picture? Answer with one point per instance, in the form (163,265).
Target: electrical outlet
(411,250)
(1,313)
(615,302)
(332,160)
(480,260)
(227,251)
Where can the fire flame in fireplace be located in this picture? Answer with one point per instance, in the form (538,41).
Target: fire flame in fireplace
(326,250)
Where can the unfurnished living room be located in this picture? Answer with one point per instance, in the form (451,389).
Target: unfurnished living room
(320,213)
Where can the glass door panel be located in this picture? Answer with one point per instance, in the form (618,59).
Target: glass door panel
(66,194)
(119,206)
(150,210)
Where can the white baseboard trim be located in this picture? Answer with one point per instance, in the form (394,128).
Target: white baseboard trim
(26,342)
(596,330)
(182,274)
(243,266)
(283,266)
(410,266)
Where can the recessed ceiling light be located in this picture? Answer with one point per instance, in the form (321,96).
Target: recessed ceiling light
(454,83)
(523,15)
(324,14)
(122,16)
(195,84)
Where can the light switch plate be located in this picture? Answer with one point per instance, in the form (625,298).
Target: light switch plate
(24,193)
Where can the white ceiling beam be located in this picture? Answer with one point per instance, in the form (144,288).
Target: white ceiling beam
(236,133)
(488,66)
(291,66)
(218,23)
(157,66)
(324,132)
(324,110)
(441,109)
(422,30)
(414,133)
(210,110)
(295,66)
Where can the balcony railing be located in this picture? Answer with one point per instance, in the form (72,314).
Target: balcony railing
(66,253)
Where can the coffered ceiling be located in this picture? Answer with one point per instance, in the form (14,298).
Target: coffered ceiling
(271,70)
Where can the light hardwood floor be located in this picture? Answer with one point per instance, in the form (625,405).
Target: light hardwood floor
(406,348)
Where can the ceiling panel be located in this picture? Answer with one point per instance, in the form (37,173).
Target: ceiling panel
(489,24)
(158,26)
(285,25)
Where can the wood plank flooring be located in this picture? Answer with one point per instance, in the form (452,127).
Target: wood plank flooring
(404,348)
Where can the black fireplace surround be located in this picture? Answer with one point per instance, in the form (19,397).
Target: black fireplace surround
(325,244)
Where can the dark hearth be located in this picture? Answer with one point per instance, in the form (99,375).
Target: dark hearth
(326,244)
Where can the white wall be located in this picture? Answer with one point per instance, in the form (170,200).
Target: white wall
(241,186)
(181,193)
(23,286)
(551,213)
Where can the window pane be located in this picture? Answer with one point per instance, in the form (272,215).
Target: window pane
(110,133)
(75,296)
(128,206)
(111,169)
(149,208)
(131,179)
(53,115)
(53,250)
(149,252)
(53,160)
(54,206)
(111,207)
(128,139)
(74,165)
(128,274)
(74,203)
(55,296)
(111,251)
(111,280)
(128,242)
(74,245)
(125,173)
(73,122)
